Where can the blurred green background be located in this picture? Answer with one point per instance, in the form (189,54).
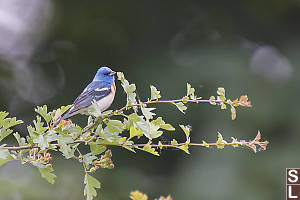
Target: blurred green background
(50,50)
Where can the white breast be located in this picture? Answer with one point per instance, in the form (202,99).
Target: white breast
(105,102)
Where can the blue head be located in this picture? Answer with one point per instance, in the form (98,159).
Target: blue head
(105,74)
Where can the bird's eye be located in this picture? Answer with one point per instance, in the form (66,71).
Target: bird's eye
(106,74)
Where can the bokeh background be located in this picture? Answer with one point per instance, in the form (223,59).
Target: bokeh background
(49,51)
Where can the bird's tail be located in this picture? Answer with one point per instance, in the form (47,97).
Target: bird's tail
(65,116)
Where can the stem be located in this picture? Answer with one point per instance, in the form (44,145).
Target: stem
(152,145)
(32,146)
(80,156)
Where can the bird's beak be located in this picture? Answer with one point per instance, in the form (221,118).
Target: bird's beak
(112,73)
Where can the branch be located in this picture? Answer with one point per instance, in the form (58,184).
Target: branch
(32,146)
(219,144)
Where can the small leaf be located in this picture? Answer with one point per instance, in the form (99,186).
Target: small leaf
(148,148)
(42,141)
(63,109)
(4,133)
(167,127)
(135,132)
(88,158)
(97,148)
(5,156)
(47,174)
(180,106)
(21,141)
(186,130)
(221,91)
(220,142)
(190,91)
(67,149)
(174,142)
(147,112)
(223,106)
(154,131)
(3,114)
(184,148)
(91,184)
(42,110)
(128,88)
(160,145)
(205,143)
(212,100)
(233,113)
(155,94)
(115,126)
(234,142)
(159,122)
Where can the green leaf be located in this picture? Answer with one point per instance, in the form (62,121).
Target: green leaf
(121,76)
(159,122)
(160,145)
(134,117)
(234,142)
(39,125)
(3,114)
(180,106)
(186,130)
(184,148)
(21,141)
(6,123)
(135,132)
(167,127)
(205,143)
(148,148)
(128,88)
(221,91)
(4,133)
(57,114)
(97,148)
(174,142)
(5,156)
(63,109)
(155,94)
(190,91)
(212,100)
(91,184)
(115,126)
(88,158)
(147,112)
(154,131)
(233,113)
(220,142)
(42,141)
(42,110)
(67,150)
(13,122)
(47,174)
(223,106)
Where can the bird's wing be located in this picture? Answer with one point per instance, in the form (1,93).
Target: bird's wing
(94,91)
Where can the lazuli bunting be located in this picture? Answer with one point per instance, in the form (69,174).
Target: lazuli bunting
(102,89)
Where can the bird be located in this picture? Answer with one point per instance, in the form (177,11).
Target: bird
(101,90)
